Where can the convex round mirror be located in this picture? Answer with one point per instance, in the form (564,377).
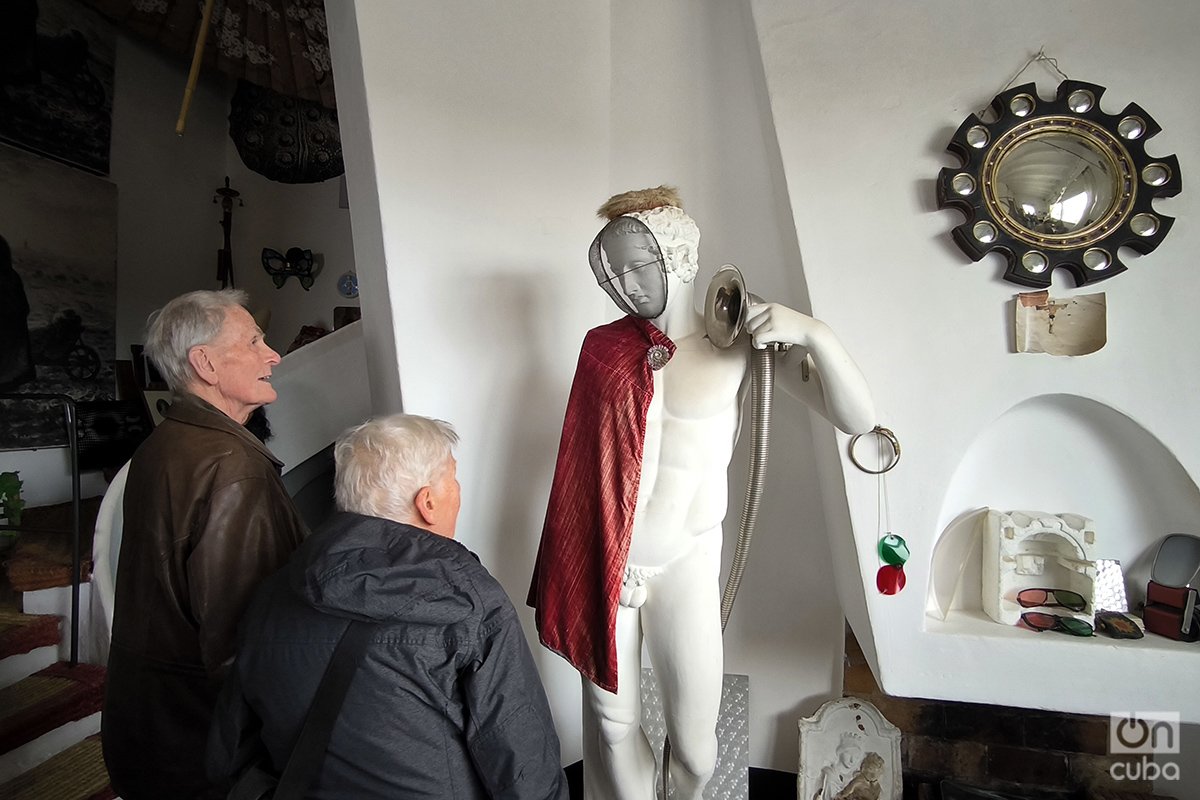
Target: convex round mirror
(1057,183)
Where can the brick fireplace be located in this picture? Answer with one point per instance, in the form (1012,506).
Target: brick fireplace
(1023,752)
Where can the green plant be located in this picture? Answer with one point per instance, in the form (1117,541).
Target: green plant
(11,503)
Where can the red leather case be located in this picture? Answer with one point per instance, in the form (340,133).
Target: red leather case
(1170,596)
(1170,612)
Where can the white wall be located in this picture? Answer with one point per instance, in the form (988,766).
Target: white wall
(492,137)
(167,225)
(484,130)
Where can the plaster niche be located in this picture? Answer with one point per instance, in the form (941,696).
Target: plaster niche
(1060,452)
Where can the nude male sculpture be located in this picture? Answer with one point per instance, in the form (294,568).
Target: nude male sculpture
(631,548)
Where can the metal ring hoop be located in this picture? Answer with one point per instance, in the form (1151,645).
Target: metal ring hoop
(882,432)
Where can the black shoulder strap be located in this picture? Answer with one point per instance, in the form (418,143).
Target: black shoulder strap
(309,752)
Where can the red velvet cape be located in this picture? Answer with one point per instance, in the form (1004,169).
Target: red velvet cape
(589,520)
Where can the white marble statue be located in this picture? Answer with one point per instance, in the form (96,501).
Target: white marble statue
(667,585)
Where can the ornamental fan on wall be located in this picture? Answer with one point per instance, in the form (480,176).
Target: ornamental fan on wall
(284,138)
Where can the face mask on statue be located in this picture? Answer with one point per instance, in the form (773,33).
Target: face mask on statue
(629,265)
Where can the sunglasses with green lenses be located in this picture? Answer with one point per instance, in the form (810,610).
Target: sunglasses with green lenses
(1039,622)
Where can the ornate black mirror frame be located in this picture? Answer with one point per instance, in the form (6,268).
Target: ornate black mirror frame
(1057,183)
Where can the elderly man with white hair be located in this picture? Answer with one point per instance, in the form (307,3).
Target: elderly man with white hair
(206,518)
(446,701)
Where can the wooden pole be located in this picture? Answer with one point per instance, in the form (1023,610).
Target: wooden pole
(194,73)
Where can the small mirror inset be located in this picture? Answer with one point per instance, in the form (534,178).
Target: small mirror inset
(1096,259)
(963,184)
(977,137)
(1156,174)
(984,232)
(1131,127)
(1034,261)
(1022,105)
(1081,100)
(1144,224)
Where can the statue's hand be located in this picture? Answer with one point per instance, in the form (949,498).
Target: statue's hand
(768,323)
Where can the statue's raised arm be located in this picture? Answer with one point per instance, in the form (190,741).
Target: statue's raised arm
(816,369)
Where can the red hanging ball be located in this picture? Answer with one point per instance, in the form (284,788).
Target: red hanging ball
(890,579)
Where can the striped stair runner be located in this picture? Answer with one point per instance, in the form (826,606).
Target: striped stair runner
(76,773)
(36,714)
(47,699)
(21,633)
(43,717)
(48,711)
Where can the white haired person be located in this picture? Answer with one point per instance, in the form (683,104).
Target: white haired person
(206,518)
(631,546)
(446,702)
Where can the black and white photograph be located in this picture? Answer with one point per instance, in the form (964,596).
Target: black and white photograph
(58,267)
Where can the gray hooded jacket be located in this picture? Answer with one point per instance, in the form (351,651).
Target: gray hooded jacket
(447,702)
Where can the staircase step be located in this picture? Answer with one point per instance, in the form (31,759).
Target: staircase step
(49,698)
(28,642)
(76,773)
(57,602)
(41,557)
(21,633)
(16,668)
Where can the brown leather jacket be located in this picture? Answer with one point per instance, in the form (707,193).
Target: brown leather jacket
(206,519)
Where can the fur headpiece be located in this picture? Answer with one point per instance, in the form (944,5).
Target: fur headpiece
(640,200)
(662,212)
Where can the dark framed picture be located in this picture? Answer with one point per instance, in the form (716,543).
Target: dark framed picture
(56,81)
(58,254)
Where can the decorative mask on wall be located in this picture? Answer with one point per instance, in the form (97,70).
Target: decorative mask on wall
(297,263)
(1057,183)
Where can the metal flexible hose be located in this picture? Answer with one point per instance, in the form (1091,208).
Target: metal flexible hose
(761,391)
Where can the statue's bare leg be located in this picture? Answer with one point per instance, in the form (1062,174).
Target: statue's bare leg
(682,624)
(618,763)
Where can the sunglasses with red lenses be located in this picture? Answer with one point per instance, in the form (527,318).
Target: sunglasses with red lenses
(1051,598)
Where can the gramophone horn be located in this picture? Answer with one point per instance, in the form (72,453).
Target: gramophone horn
(725,306)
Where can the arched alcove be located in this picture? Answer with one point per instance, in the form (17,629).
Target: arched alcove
(1063,453)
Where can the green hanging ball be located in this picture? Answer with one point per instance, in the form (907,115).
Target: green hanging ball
(893,550)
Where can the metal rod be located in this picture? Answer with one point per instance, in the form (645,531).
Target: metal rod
(73,440)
